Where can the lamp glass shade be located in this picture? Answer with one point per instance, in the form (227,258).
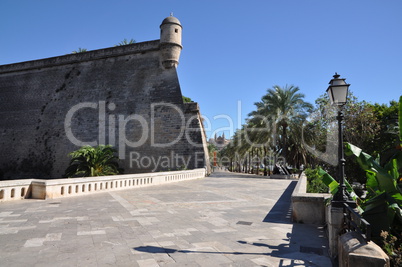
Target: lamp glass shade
(338,94)
(338,91)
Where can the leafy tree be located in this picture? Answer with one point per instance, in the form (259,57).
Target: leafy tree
(360,123)
(93,161)
(361,126)
(385,142)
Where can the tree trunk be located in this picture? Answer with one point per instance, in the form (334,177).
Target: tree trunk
(265,161)
(284,143)
(258,162)
(250,164)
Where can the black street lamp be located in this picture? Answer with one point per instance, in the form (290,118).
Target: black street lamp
(338,91)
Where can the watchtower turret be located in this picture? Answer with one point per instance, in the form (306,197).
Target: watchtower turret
(170,42)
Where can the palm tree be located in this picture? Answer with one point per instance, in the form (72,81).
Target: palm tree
(282,107)
(126,42)
(93,161)
(260,137)
(298,153)
(80,50)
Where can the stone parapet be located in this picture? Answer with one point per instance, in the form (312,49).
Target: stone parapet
(56,188)
(135,48)
(308,207)
(15,189)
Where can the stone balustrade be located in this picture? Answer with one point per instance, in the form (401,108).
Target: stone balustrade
(47,189)
(15,189)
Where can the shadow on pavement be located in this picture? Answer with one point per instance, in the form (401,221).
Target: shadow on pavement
(279,251)
(153,249)
(281,212)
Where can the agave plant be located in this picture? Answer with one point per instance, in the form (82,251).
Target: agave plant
(93,161)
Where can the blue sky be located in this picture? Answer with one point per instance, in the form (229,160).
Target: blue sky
(232,50)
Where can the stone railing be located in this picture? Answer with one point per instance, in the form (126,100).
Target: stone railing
(15,189)
(46,189)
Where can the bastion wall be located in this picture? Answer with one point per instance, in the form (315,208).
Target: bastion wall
(122,96)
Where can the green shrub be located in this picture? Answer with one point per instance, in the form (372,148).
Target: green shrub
(314,182)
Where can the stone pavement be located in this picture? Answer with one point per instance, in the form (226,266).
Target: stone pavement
(223,220)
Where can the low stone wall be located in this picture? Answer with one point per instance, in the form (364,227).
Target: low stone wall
(308,208)
(46,189)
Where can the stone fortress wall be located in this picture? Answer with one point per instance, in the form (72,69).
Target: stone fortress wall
(127,96)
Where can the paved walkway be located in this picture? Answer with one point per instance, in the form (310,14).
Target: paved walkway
(223,220)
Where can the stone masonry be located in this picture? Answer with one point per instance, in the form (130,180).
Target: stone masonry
(127,96)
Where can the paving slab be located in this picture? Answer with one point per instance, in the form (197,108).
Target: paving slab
(225,219)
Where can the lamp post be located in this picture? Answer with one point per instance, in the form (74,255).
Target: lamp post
(338,91)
